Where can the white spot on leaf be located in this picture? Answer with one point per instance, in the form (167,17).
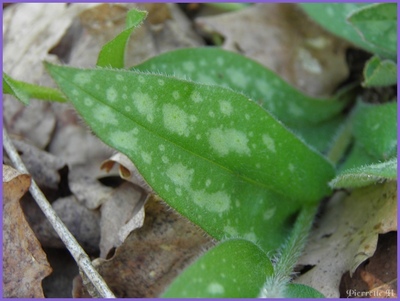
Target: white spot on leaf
(180,174)
(229,140)
(237,77)
(189,66)
(144,104)
(215,288)
(269,142)
(215,202)
(105,115)
(88,101)
(269,213)
(196,97)
(175,120)
(82,78)
(111,94)
(146,157)
(176,95)
(225,107)
(124,139)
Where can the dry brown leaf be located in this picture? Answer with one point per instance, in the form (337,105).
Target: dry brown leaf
(24,262)
(43,167)
(151,256)
(82,222)
(122,213)
(281,37)
(77,146)
(86,188)
(127,170)
(347,235)
(376,277)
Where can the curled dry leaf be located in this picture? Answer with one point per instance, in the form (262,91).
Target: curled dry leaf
(152,256)
(24,262)
(281,37)
(122,213)
(348,235)
(127,170)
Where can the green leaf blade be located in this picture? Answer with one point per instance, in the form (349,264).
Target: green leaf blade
(112,54)
(25,91)
(379,73)
(366,175)
(233,269)
(375,128)
(333,17)
(296,110)
(216,66)
(377,24)
(213,155)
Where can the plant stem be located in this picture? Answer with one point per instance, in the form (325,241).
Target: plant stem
(288,255)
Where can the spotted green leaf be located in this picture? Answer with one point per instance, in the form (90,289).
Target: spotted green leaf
(377,25)
(375,128)
(379,73)
(233,269)
(216,66)
(215,156)
(112,54)
(220,67)
(366,175)
(333,17)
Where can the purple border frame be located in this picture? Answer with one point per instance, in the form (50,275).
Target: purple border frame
(57,1)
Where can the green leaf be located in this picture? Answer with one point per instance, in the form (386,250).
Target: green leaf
(357,157)
(320,136)
(209,152)
(377,24)
(24,91)
(233,269)
(375,128)
(297,291)
(333,17)
(220,67)
(379,73)
(112,54)
(215,66)
(366,175)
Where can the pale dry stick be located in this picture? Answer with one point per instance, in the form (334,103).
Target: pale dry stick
(81,258)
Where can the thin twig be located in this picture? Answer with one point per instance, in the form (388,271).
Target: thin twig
(69,240)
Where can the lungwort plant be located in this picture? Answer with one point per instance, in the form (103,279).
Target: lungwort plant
(234,148)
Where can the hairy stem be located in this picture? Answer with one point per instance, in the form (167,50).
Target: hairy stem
(288,255)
